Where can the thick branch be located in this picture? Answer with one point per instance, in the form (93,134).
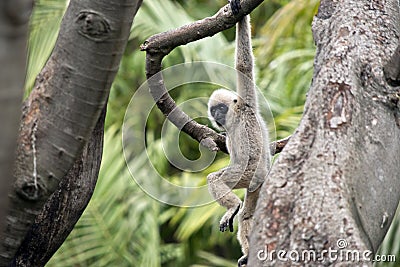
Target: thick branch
(63,109)
(14,17)
(64,208)
(160,45)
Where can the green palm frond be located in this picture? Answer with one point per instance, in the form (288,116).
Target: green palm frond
(44,26)
(391,245)
(291,24)
(159,16)
(192,220)
(214,261)
(285,55)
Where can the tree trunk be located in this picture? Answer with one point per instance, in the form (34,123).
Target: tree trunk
(65,206)
(63,109)
(14,17)
(336,184)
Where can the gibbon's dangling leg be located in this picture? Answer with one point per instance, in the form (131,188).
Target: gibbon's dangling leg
(220,185)
(246,222)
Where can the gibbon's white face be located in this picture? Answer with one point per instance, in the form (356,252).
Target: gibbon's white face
(220,103)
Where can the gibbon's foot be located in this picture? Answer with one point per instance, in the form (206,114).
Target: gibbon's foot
(227,219)
(242,261)
(235,6)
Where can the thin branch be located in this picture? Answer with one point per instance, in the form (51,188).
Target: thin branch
(277,146)
(160,45)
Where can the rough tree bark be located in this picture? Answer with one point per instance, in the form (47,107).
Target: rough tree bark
(65,206)
(14,17)
(59,118)
(338,176)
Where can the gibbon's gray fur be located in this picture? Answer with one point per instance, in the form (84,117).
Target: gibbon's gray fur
(247,141)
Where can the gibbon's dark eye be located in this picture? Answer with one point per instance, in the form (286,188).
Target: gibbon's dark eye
(234,100)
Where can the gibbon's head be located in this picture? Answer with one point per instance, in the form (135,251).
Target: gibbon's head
(220,103)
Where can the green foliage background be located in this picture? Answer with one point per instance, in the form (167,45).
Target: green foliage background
(122,226)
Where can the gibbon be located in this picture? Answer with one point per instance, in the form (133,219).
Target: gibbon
(247,141)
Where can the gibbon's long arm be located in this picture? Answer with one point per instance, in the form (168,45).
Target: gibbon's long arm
(244,63)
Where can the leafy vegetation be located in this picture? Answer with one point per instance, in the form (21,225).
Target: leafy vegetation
(122,225)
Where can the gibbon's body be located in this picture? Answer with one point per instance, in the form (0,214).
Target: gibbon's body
(247,141)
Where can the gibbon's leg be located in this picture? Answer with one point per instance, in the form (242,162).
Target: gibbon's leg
(246,222)
(220,185)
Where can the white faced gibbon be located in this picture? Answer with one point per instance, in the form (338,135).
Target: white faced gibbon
(247,140)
